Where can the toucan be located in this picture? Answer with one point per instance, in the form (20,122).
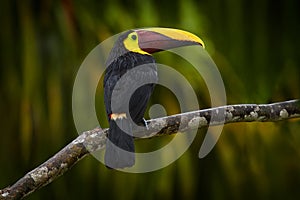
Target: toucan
(129,80)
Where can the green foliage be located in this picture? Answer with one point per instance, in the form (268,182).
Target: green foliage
(254,43)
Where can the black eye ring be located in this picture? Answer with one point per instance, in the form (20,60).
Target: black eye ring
(133,37)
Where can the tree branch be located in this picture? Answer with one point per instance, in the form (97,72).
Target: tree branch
(93,140)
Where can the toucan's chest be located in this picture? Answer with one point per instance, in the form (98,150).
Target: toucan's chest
(131,78)
(143,64)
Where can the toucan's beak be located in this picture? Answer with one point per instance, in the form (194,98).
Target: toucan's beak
(152,40)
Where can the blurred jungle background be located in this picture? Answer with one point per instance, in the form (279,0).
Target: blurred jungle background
(255,45)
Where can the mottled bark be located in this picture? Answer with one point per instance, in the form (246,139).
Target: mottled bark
(93,140)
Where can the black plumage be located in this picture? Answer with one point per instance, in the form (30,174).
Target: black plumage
(141,69)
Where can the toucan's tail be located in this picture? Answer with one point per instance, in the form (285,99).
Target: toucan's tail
(119,151)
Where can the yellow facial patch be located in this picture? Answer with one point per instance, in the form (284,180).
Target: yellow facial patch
(131,43)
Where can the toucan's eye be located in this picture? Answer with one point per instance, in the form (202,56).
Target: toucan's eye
(133,37)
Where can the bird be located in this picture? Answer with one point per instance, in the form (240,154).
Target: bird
(129,80)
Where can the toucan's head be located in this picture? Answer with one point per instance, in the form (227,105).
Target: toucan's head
(151,40)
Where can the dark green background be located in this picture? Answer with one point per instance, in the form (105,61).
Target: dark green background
(255,45)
